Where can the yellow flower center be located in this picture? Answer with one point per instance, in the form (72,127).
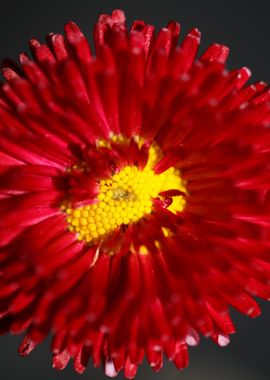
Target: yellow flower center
(125,198)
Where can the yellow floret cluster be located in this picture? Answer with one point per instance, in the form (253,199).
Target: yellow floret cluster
(123,199)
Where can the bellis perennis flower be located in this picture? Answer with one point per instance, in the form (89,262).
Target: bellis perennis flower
(134,195)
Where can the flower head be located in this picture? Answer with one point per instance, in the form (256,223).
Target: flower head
(134,195)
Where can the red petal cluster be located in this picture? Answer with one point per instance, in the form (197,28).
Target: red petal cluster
(117,309)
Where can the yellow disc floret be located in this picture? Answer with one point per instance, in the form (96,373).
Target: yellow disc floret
(125,198)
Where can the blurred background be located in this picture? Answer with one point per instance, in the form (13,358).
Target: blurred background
(244,26)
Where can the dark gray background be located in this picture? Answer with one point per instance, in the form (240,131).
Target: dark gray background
(242,25)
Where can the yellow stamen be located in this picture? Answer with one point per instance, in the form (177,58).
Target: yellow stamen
(125,198)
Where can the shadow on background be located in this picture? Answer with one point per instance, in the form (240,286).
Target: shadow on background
(242,25)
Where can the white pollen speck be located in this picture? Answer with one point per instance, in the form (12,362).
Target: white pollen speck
(223,340)
(110,370)
(191,341)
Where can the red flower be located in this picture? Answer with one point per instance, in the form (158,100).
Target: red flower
(134,195)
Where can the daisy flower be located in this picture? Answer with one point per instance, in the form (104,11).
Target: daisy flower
(134,195)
